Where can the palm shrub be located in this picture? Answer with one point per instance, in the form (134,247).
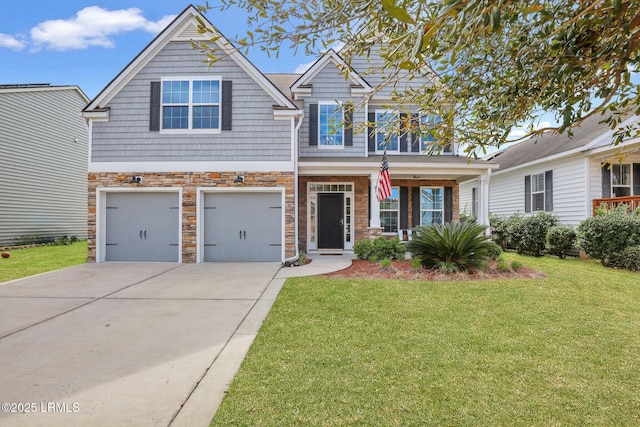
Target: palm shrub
(452,246)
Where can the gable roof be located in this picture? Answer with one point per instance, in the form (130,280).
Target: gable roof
(330,56)
(184,28)
(40,87)
(552,144)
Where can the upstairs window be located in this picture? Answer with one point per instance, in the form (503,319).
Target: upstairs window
(330,119)
(387,123)
(191,104)
(427,122)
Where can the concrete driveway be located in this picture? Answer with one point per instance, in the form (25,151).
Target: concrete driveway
(128,343)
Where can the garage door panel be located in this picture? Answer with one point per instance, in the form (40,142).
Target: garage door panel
(142,226)
(242,227)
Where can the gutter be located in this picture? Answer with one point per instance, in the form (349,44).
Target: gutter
(290,261)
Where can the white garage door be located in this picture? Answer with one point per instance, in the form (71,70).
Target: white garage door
(243,226)
(142,226)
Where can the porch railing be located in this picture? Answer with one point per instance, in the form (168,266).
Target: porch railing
(611,203)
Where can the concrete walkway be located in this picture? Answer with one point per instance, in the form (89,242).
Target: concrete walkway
(132,343)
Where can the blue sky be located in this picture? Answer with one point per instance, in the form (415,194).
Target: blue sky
(85,43)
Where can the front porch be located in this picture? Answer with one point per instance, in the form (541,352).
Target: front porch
(613,202)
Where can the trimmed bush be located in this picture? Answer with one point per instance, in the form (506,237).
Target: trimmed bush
(561,240)
(378,249)
(525,234)
(363,249)
(499,230)
(629,259)
(530,234)
(607,235)
(451,247)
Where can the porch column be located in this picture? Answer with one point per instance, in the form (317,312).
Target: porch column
(374,219)
(483,199)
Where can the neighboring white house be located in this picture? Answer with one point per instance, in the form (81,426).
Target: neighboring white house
(562,175)
(43,163)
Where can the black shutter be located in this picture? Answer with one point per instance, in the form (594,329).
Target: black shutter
(372,132)
(636,179)
(548,191)
(154,107)
(527,193)
(227,96)
(415,206)
(448,204)
(606,180)
(403,133)
(348,126)
(474,201)
(416,134)
(404,208)
(313,124)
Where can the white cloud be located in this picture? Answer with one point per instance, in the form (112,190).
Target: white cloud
(11,42)
(92,26)
(520,131)
(303,67)
(337,46)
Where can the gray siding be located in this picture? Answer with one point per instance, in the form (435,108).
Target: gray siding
(255,135)
(43,166)
(329,85)
(371,68)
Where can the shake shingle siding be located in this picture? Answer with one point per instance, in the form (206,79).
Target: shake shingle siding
(255,135)
(43,165)
(328,86)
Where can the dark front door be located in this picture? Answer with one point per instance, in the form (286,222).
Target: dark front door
(330,221)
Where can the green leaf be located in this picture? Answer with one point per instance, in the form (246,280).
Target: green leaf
(399,13)
(407,65)
(532,9)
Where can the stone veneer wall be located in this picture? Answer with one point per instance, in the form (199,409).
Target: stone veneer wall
(189,181)
(361,202)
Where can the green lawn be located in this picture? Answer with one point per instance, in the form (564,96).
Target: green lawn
(30,261)
(564,350)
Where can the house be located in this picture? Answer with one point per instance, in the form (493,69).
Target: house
(191,163)
(565,176)
(43,165)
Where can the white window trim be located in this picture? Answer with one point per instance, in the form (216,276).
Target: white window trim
(378,129)
(331,147)
(190,79)
(348,245)
(397,211)
(630,186)
(543,192)
(432,210)
(423,145)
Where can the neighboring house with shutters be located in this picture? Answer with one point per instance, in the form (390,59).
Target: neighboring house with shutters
(191,162)
(562,175)
(43,163)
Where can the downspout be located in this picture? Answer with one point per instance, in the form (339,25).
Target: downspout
(288,261)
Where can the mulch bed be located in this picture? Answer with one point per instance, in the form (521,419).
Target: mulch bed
(402,270)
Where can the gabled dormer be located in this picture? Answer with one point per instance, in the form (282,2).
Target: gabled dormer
(348,115)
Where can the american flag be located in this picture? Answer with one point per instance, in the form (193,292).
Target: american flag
(384,180)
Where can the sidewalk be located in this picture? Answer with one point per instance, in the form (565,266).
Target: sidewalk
(203,403)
